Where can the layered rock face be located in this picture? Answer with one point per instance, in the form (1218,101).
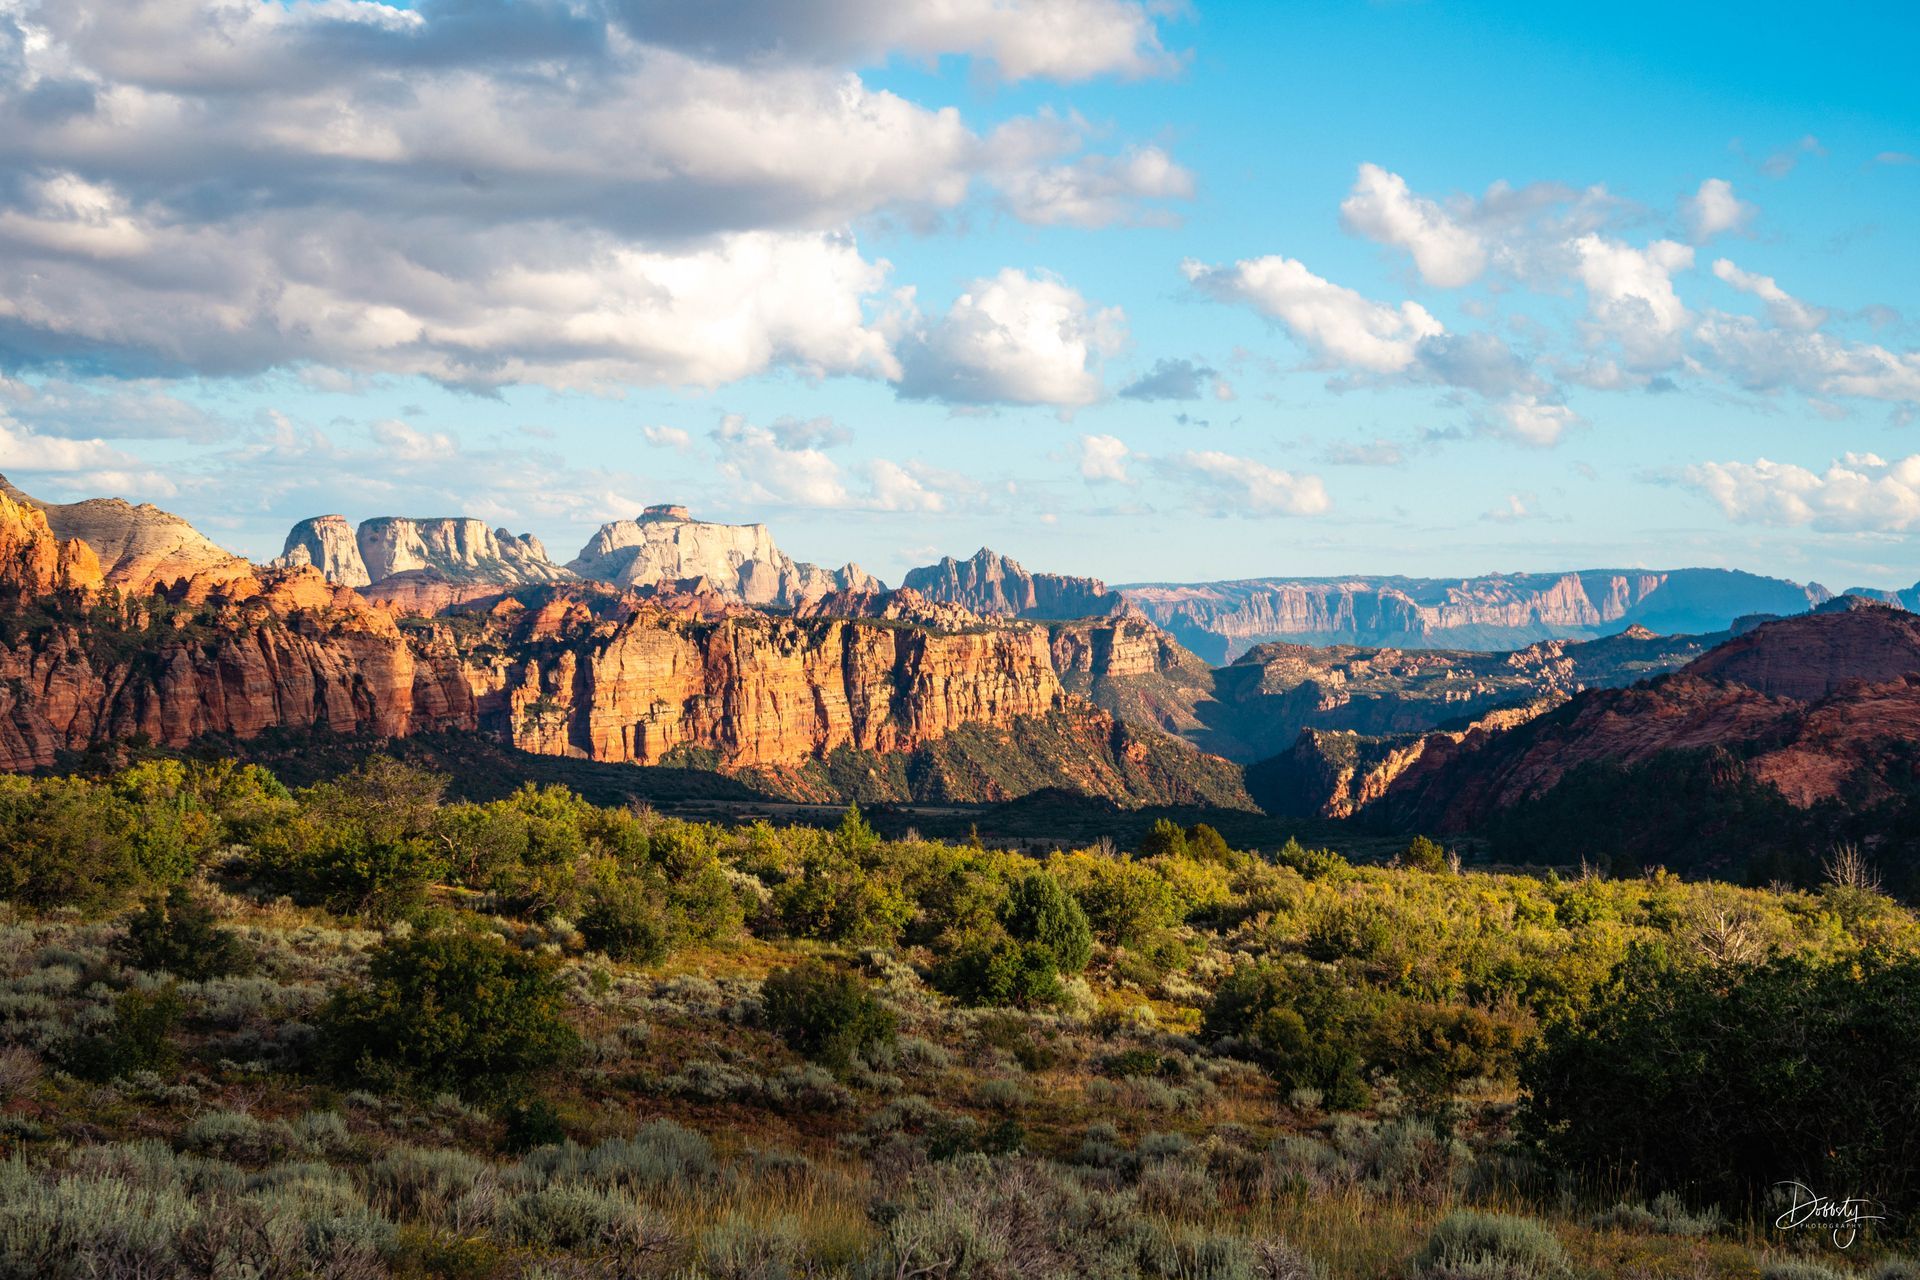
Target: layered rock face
(34,563)
(140,547)
(1219,620)
(665,544)
(327,543)
(281,650)
(457,548)
(994,585)
(448,549)
(567,669)
(1818,707)
(759,690)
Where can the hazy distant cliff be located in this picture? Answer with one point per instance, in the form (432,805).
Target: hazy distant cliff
(1219,620)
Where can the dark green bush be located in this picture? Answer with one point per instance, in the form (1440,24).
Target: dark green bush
(1204,844)
(181,935)
(1040,912)
(825,1013)
(990,968)
(451,1011)
(628,921)
(1306,1029)
(1164,839)
(140,1039)
(530,1123)
(67,843)
(1722,1080)
(1423,854)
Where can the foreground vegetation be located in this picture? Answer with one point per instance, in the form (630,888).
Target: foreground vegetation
(360,1030)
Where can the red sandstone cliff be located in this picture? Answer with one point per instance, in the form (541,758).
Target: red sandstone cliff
(1819,707)
(575,670)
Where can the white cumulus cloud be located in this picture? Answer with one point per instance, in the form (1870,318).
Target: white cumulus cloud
(1223,484)
(1858,492)
(1714,209)
(1104,459)
(1783,307)
(1012,338)
(1338,324)
(1382,209)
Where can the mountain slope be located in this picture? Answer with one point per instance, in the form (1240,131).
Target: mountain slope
(1801,730)
(138,547)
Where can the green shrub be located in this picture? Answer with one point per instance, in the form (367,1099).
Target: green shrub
(531,1123)
(1305,1027)
(1492,1246)
(627,921)
(1679,1073)
(140,1039)
(990,968)
(449,1012)
(1204,844)
(1040,912)
(827,1014)
(1423,854)
(180,935)
(67,843)
(1164,839)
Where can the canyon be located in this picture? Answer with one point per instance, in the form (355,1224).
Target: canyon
(675,642)
(1818,709)
(558,668)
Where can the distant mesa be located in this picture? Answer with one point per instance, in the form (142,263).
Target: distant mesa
(1220,620)
(665,544)
(667,511)
(993,585)
(453,548)
(663,551)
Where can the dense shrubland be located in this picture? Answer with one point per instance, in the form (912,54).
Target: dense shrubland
(358,1029)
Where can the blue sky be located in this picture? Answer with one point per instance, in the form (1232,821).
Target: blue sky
(1123,289)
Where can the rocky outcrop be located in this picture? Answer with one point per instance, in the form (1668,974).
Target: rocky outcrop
(1857,640)
(1817,707)
(902,605)
(761,690)
(1337,773)
(327,544)
(1501,611)
(665,544)
(140,547)
(35,563)
(455,548)
(994,585)
(575,669)
(291,652)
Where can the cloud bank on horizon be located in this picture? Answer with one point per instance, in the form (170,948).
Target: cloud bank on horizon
(891,272)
